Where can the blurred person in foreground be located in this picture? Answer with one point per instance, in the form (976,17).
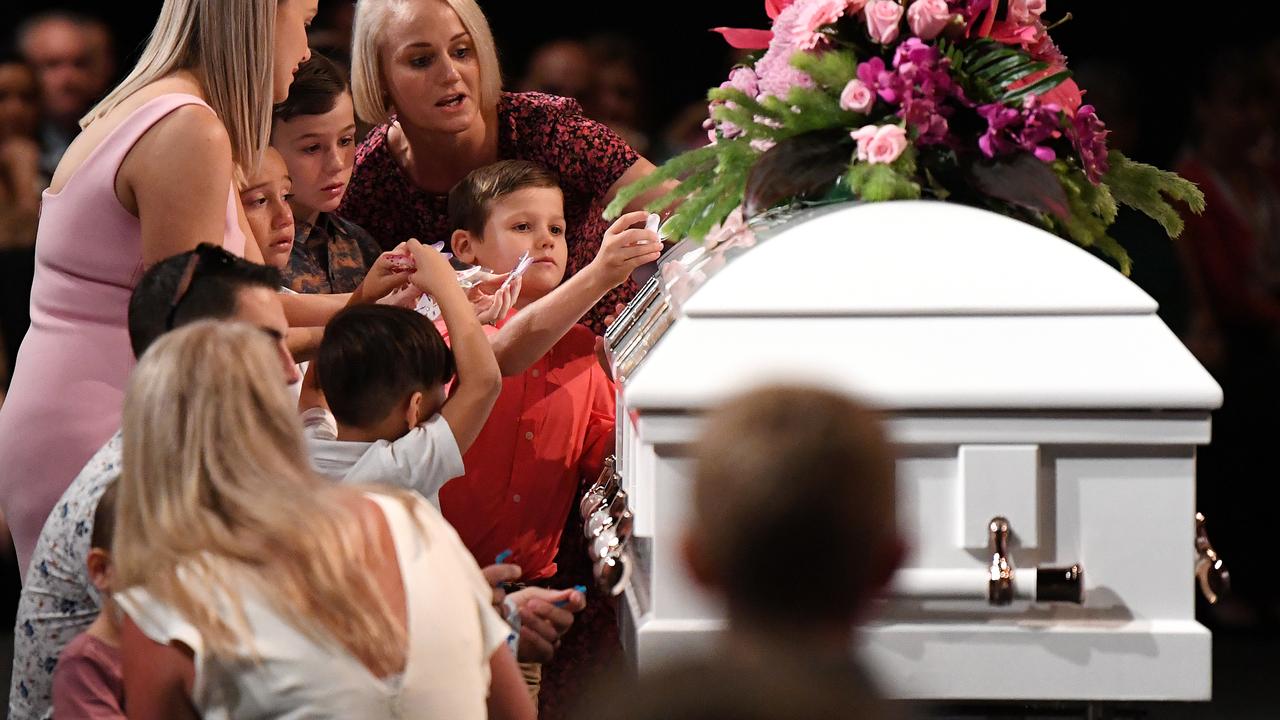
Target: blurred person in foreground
(793,525)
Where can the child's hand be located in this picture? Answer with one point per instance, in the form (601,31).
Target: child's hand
(626,246)
(491,300)
(498,576)
(389,273)
(433,273)
(405,296)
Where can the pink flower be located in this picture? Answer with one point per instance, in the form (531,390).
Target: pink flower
(1025,12)
(928,18)
(853,7)
(883,17)
(762,145)
(744,79)
(809,17)
(776,75)
(880,145)
(857,97)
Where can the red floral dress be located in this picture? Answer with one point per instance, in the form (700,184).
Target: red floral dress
(548,130)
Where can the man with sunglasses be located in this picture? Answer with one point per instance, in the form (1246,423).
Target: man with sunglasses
(58,600)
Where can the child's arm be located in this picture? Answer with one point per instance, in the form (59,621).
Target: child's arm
(536,328)
(479,381)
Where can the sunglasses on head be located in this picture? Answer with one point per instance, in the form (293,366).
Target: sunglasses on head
(200,261)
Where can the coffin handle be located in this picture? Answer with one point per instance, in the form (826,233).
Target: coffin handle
(1211,572)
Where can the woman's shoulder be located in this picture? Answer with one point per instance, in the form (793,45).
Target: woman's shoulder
(525,106)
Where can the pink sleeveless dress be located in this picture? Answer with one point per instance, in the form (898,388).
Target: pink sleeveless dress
(67,391)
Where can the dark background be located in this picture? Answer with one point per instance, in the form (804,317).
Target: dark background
(1164,44)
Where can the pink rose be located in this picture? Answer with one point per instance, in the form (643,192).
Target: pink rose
(802,22)
(928,18)
(857,97)
(864,136)
(1025,12)
(882,144)
(883,17)
(853,7)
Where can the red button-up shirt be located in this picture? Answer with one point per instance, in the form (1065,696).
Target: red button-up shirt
(551,426)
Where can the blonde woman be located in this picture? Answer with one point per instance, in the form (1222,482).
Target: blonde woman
(149,176)
(254,589)
(426,73)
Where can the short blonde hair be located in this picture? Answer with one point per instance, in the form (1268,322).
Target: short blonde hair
(230,45)
(368,83)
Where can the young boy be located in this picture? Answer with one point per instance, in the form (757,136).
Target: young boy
(377,413)
(553,423)
(88,681)
(315,132)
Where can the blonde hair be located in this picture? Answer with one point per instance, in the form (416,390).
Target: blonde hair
(368,82)
(229,45)
(215,479)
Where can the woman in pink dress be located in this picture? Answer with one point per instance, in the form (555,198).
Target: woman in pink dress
(150,176)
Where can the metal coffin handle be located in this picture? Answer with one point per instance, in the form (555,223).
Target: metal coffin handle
(1211,572)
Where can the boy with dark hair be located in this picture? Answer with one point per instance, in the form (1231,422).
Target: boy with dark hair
(315,131)
(59,600)
(382,417)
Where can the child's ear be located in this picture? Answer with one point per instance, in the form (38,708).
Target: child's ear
(99,565)
(463,246)
(413,409)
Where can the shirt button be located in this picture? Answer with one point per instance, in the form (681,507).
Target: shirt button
(528,436)
(516,498)
(536,373)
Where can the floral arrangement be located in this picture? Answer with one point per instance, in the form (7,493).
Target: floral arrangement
(962,100)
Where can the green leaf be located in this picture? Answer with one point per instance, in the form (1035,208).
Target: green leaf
(1013,75)
(673,169)
(1144,188)
(879,182)
(1084,224)
(1015,62)
(1039,87)
(743,100)
(832,70)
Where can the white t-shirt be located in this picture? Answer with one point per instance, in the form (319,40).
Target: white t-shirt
(424,459)
(453,633)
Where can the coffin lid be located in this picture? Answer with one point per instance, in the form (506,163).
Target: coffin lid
(915,258)
(923,306)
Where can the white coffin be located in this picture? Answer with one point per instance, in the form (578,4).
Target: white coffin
(1023,378)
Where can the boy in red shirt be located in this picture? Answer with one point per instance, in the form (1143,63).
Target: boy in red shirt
(553,423)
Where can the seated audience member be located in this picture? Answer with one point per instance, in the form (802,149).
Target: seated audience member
(560,67)
(315,131)
(58,599)
(793,525)
(254,588)
(88,682)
